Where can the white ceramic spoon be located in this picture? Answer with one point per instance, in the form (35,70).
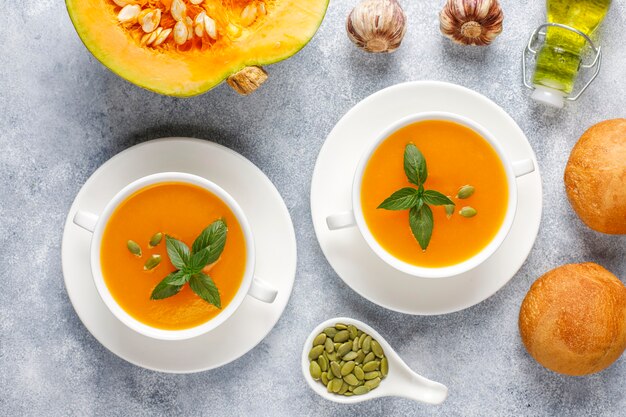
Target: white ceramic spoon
(401,381)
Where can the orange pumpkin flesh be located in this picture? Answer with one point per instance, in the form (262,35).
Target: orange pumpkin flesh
(284,27)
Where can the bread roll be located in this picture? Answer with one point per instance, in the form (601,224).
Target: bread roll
(595,177)
(573,319)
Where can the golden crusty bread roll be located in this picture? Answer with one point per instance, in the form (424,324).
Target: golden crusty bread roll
(573,319)
(595,177)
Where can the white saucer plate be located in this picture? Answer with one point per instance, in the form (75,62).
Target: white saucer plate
(346,250)
(273,234)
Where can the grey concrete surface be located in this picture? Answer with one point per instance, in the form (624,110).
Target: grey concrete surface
(62,114)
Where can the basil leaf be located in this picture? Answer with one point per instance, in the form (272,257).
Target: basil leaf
(177,251)
(179,278)
(197,261)
(203,285)
(400,200)
(166,288)
(436,198)
(213,238)
(415,165)
(421,222)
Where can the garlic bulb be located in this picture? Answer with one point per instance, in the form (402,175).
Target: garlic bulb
(471,22)
(377,25)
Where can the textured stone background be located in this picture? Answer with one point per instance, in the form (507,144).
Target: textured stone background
(63,114)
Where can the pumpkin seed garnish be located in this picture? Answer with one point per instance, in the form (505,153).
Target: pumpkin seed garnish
(155,239)
(134,248)
(465,191)
(152,262)
(347,361)
(468,211)
(449,208)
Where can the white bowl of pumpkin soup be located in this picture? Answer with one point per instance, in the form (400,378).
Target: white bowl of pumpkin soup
(434,196)
(173,256)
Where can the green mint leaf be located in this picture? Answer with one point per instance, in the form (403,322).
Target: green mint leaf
(197,262)
(402,199)
(212,239)
(177,251)
(203,285)
(421,222)
(166,288)
(435,198)
(415,165)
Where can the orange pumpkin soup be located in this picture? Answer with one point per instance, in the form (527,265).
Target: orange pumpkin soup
(455,156)
(182,211)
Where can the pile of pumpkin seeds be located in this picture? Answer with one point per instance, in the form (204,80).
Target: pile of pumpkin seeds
(347,360)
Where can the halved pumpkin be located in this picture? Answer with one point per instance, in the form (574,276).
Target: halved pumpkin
(186,47)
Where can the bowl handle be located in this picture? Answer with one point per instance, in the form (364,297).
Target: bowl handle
(523,167)
(86,220)
(341,220)
(262,291)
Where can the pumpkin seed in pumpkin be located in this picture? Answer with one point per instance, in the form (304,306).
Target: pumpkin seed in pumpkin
(149,19)
(249,14)
(178,9)
(180,33)
(129,13)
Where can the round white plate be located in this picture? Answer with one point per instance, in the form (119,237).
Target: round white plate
(346,250)
(273,234)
